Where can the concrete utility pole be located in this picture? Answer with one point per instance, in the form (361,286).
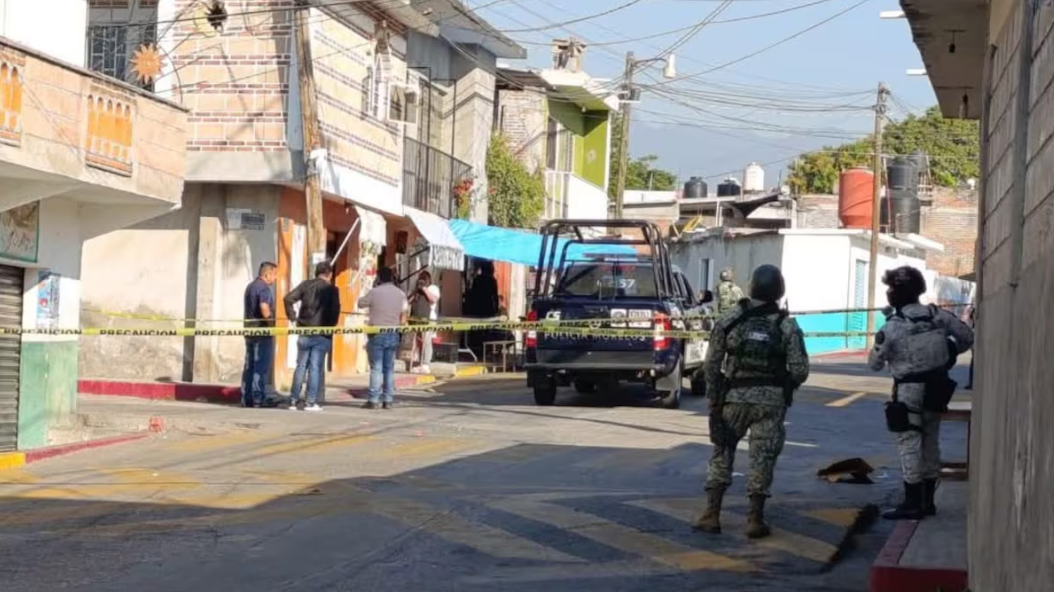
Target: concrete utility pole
(623,157)
(876,210)
(316,231)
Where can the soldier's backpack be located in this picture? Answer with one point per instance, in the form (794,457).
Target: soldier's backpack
(755,344)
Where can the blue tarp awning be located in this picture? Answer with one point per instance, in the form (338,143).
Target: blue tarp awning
(518,246)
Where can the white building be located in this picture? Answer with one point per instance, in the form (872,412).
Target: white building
(824,270)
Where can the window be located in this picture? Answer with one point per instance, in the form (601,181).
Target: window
(552,134)
(608,280)
(111,47)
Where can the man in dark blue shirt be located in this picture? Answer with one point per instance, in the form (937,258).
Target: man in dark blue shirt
(259,351)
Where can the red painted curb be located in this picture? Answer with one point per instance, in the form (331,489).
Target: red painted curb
(887,575)
(162,391)
(40,454)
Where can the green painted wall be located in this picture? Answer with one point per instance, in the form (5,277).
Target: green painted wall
(594,148)
(47,394)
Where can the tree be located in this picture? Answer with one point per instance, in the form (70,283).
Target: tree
(953,147)
(516,196)
(640,172)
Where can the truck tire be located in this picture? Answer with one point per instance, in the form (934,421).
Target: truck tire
(545,394)
(583,386)
(670,399)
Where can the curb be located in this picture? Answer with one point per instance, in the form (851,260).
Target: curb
(14,460)
(401,382)
(887,575)
(161,391)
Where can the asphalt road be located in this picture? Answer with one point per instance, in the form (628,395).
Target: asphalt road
(466,486)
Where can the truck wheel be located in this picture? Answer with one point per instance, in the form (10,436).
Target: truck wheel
(671,399)
(545,394)
(585,386)
(699,387)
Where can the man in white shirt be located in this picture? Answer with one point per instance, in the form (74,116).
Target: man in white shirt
(387,308)
(424,308)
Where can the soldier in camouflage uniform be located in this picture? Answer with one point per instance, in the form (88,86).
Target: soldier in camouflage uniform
(920,344)
(728,293)
(756,360)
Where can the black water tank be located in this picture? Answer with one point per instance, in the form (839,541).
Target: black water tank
(902,175)
(901,213)
(695,188)
(728,189)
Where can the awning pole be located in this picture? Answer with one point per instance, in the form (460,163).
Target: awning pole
(346,239)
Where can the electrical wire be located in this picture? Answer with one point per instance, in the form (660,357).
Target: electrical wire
(573,21)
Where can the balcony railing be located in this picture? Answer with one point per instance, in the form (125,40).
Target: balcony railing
(429,177)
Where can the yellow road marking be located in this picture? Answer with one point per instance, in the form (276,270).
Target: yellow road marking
(12,460)
(621,537)
(844,517)
(482,537)
(847,401)
(425,447)
(313,444)
(688,509)
(207,443)
(137,479)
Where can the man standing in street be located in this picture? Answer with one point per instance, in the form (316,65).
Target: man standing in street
(920,344)
(319,307)
(728,293)
(387,308)
(259,350)
(424,308)
(755,362)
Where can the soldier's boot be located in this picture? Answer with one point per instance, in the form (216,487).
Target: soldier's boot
(911,507)
(929,491)
(756,526)
(710,521)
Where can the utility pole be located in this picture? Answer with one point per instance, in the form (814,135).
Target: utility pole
(627,109)
(316,232)
(876,210)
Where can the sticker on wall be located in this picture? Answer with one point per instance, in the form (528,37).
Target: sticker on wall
(245,219)
(48,299)
(20,232)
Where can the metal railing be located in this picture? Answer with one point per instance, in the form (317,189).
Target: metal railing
(429,177)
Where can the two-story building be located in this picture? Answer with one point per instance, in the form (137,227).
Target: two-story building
(558,120)
(81,155)
(403,93)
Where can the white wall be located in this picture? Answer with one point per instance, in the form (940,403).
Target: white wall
(60,252)
(888,258)
(818,270)
(57,29)
(742,254)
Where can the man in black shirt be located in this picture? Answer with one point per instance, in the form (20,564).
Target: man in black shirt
(319,307)
(259,351)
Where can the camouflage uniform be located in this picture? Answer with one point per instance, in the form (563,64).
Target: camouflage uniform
(728,294)
(759,410)
(920,454)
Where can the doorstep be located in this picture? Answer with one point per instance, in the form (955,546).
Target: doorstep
(930,554)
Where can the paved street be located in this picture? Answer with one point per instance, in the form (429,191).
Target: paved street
(465,486)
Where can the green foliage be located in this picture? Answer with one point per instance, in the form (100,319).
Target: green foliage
(953,146)
(641,172)
(516,197)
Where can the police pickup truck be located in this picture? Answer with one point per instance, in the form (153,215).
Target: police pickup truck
(614,282)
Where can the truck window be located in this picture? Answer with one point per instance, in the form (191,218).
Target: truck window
(607,280)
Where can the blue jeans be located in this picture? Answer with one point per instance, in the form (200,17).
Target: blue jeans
(381,349)
(311,353)
(256,377)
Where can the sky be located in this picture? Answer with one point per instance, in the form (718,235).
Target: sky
(816,89)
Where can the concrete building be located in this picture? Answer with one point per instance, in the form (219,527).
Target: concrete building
(1000,73)
(404,95)
(81,155)
(558,120)
(824,270)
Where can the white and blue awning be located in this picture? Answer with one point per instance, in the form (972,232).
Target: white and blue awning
(446,251)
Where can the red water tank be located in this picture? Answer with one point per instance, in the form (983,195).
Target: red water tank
(855,193)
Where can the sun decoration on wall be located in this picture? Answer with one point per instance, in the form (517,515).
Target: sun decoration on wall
(146,63)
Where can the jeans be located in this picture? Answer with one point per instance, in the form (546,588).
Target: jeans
(426,347)
(311,353)
(256,376)
(381,350)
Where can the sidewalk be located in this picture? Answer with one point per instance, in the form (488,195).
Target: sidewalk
(354,386)
(928,555)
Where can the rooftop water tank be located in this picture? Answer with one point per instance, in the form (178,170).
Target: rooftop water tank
(753,178)
(855,197)
(695,188)
(729,188)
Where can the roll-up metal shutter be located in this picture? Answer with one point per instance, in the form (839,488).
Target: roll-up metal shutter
(11,279)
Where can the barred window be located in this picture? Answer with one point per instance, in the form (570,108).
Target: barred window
(111,47)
